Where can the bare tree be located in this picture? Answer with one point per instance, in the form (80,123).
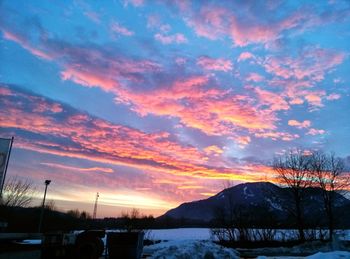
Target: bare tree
(328,174)
(17,193)
(50,205)
(293,171)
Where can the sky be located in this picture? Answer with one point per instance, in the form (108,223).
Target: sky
(156,103)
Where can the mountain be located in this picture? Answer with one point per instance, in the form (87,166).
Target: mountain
(260,199)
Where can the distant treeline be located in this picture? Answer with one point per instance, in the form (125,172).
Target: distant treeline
(21,219)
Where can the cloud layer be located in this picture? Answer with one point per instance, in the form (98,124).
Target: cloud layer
(163,100)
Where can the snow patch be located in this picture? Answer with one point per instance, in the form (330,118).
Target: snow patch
(247,193)
(181,234)
(191,249)
(333,255)
(221,195)
(273,204)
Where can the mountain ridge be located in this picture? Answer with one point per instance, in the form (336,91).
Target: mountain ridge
(257,197)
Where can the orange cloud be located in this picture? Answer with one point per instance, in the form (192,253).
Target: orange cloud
(82,136)
(213,150)
(243,141)
(192,99)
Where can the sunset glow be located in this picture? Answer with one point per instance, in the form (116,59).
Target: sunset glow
(155,103)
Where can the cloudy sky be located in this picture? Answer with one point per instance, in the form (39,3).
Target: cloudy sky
(154,103)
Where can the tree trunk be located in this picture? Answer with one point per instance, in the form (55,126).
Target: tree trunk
(300,221)
(330,221)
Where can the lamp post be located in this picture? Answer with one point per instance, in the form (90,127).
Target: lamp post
(47,182)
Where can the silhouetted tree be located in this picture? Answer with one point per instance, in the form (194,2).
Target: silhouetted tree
(84,215)
(17,193)
(328,174)
(51,205)
(293,171)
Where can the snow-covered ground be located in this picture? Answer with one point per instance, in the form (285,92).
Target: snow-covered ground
(198,243)
(193,249)
(328,255)
(204,234)
(333,255)
(180,234)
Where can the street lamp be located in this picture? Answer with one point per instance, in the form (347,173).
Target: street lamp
(47,182)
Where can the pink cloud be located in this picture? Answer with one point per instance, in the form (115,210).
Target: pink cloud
(86,78)
(277,135)
(315,98)
(298,76)
(190,99)
(254,77)
(214,21)
(180,61)
(209,22)
(299,124)
(81,136)
(249,25)
(244,56)
(333,96)
(93,16)
(25,44)
(274,100)
(46,107)
(314,132)
(119,29)
(81,169)
(322,61)
(243,141)
(136,3)
(219,64)
(211,110)
(168,39)
(153,21)
(296,101)
(213,150)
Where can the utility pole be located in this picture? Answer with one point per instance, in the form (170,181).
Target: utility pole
(95,207)
(47,182)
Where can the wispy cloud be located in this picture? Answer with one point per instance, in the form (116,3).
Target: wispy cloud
(119,29)
(80,169)
(218,64)
(252,25)
(168,39)
(299,124)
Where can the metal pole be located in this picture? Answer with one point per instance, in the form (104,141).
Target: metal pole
(5,170)
(95,207)
(47,182)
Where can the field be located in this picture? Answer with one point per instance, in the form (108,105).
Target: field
(198,243)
